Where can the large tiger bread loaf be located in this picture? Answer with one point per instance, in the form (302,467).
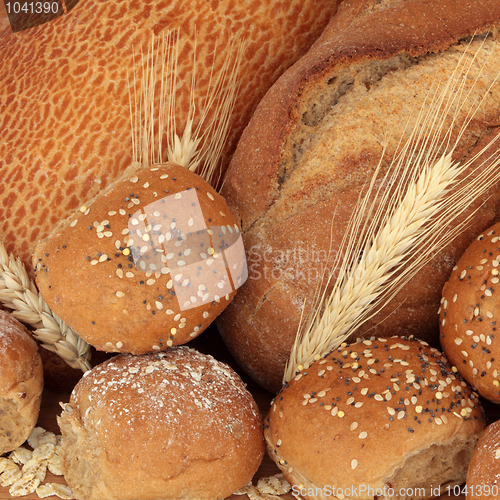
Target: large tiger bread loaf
(315,140)
(65,89)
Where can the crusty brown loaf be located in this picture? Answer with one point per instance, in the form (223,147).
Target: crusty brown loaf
(379,414)
(161,290)
(315,139)
(469,314)
(484,468)
(173,425)
(64,99)
(21,383)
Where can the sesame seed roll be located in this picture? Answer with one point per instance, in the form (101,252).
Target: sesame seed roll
(381,414)
(146,265)
(469,315)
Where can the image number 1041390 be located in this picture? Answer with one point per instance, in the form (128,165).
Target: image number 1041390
(24,15)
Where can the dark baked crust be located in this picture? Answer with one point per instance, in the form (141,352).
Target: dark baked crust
(145,297)
(172,425)
(283,208)
(469,314)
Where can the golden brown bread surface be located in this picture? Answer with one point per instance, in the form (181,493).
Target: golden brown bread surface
(144,265)
(318,135)
(382,415)
(469,314)
(178,424)
(64,100)
(484,467)
(21,383)
(4,20)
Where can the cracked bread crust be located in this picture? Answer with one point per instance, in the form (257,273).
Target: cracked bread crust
(315,139)
(173,425)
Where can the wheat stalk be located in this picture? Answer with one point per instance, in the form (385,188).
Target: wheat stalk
(199,147)
(389,239)
(19,294)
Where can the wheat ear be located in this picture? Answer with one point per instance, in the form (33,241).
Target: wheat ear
(19,294)
(392,237)
(153,110)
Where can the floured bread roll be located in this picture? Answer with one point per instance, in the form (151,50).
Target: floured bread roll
(469,315)
(484,468)
(170,425)
(148,264)
(381,416)
(21,383)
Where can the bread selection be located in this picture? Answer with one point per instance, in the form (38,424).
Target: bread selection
(21,383)
(484,468)
(64,92)
(177,424)
(469,314)
(383,416)
(315,140)
(147,264)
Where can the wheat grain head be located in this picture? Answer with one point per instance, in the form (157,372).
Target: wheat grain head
(391,237)
(153,109)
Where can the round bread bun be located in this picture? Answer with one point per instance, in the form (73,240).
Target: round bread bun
(21,383)
(142,267)
(375,419)
(170,425)
(470,312)
(484,468)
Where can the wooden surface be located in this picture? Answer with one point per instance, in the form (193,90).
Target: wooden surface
(209,343)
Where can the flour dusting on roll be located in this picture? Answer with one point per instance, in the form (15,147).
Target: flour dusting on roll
(21,383)
(177,424)
(147,264)
(383,416)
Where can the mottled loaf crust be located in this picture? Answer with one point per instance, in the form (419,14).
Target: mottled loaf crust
(316,138)
(469,315)
(142,267)
(21,383)
(64,96)
(382,415)
(173,425)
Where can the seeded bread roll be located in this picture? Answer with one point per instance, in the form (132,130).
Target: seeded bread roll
(172,425)
(469,315)
(314,142)
(484,468)
(21,383)
(382,415)
(135,269)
